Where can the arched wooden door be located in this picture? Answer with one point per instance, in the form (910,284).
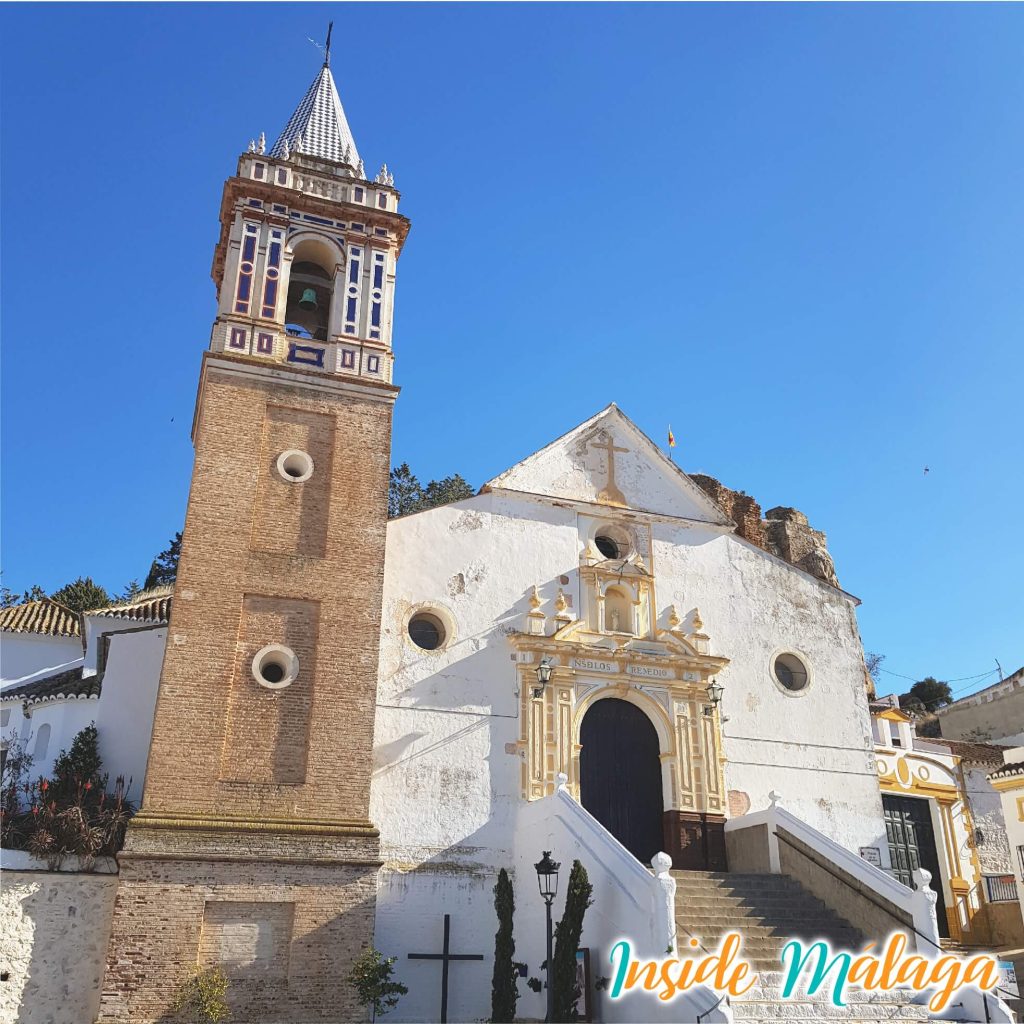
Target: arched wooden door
(620,775)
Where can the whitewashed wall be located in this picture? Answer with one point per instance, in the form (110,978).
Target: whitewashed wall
(23,654)
(49,728)
(128,703)
(54,928)
(987,815)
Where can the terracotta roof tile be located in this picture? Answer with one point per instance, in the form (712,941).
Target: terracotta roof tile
(67,684)
(149,606)
(1008,770)
(43,616)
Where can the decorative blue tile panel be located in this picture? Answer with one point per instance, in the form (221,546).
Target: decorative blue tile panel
(306,354)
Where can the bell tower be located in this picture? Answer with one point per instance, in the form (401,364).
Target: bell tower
(253,850)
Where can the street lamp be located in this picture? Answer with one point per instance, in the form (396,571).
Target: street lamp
(714,691)
(543,678)
(547,882)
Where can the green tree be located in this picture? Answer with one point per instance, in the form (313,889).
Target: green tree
(371,977)
(930,693)
(407,495)
(567,944)
(81,595)
(8,597)
(873,663)
(164,569)
(81,763)
(504,993)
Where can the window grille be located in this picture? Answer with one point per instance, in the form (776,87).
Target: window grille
(1001,888)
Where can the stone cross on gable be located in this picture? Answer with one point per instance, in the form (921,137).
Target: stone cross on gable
(611,493)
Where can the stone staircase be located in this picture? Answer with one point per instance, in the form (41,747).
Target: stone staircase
(768,910)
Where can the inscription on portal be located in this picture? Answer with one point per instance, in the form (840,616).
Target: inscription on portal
(594,665)
(650,671)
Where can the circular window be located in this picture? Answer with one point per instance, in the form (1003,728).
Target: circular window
(295,466)
(275,667)
(426,631)
(790,672)
(607,545)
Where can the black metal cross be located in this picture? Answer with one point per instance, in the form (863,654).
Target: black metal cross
(445,957)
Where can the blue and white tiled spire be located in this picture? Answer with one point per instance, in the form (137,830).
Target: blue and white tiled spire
(319,127)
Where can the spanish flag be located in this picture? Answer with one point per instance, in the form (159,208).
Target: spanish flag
(671,437)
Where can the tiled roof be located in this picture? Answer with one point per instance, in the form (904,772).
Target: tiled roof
(70,683)
(1008,770)
(320,121)
(149,606)
(43,616)
(977,753)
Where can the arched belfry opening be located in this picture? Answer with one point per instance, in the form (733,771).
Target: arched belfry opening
(310,291)
(620,774)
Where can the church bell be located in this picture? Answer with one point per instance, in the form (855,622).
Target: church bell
(308,300)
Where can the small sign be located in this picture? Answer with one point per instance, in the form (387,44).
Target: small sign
(1008,981)
(872,855)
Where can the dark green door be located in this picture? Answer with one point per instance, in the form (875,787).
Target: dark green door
(908,829)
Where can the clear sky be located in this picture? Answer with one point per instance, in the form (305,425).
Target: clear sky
(794,232)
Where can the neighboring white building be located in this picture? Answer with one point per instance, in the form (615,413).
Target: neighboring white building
(992,715)
(37,636)
(1009,781)
(113,683)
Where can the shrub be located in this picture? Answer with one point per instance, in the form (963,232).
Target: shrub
(504,993)
(202,997)
(567,944)
(72,814)
(371,978)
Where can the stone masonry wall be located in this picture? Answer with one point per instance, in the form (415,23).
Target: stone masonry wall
(785,532)
(54,928)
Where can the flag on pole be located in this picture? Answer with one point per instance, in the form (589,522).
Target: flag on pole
(671,437)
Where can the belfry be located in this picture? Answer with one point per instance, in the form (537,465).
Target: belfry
(253,850)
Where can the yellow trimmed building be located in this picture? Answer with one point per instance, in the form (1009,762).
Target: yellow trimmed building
(933,791)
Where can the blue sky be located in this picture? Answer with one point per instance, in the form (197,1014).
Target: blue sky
(794,232)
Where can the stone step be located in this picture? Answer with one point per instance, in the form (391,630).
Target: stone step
(722,896)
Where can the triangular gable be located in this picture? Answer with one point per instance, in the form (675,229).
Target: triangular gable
(609,460)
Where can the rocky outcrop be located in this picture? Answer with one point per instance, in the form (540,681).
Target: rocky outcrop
(785,532)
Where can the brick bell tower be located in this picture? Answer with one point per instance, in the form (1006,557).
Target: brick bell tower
(253,850)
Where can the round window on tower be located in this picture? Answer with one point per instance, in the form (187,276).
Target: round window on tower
(606,545)
(790,672)
(275,667)
(294,466)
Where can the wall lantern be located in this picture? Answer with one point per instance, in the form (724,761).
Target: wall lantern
(543,678)
(715,691)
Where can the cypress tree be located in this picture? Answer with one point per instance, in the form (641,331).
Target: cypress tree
(504,993)
(567,944)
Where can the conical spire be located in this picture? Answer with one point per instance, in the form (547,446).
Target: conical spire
(319,120)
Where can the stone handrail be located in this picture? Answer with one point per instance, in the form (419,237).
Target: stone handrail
(918,903)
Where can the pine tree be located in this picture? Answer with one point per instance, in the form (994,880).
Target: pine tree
(504,993)
(567,944)
(164,569)
(81,595)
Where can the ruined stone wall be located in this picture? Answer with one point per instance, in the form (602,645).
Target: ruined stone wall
(53,941)
(785,532)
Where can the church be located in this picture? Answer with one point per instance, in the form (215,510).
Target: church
(359,722)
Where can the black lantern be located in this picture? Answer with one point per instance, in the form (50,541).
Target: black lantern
(547,876)
(543,671)
(547,881)
(715,691)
